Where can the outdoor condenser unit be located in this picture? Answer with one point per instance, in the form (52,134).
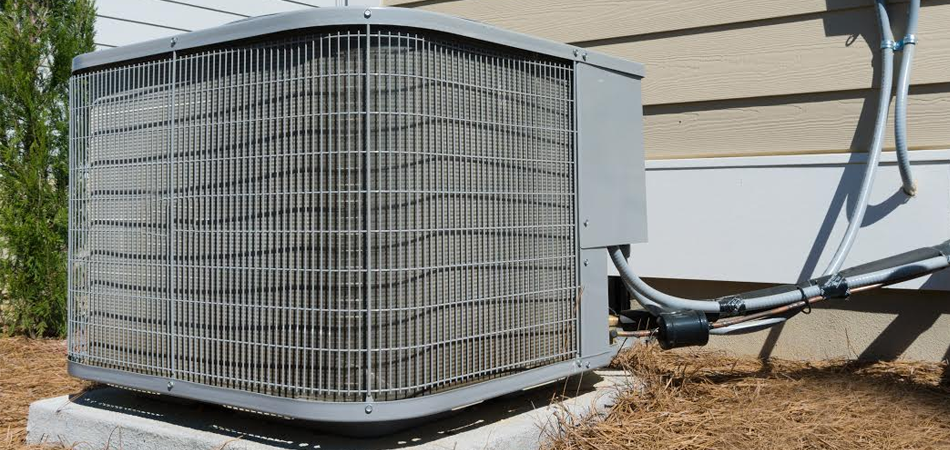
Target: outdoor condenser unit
(348,215)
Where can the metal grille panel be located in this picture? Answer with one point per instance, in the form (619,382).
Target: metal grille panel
(334,216)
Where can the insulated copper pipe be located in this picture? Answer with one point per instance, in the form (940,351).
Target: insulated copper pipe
(767,313)
(722,323)
(782,309)
(759,315)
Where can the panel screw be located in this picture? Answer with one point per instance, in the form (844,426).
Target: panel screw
(584,56)
(586,223)
(171,384)
(587,365)
(367,14)
(173,42)
(576,52)
(368,409)
(586,262)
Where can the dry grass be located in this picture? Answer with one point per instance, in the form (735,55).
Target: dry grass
(707,400)
(690,400)
(29,370)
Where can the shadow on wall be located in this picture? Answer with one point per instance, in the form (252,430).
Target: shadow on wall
(911,321)
(916,312)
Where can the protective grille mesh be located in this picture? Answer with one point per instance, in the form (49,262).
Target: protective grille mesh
(328,216)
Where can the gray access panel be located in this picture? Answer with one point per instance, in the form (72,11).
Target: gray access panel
(612,181)
(594,333)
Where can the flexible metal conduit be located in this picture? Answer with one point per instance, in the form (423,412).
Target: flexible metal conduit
(908,45)
(734,310)
(901,267)
(900,126)
(748,327)
(670,302)
(655,300)
(874,153)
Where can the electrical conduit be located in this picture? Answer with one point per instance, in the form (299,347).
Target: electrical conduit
(908,46)
(653,299)
(874,153)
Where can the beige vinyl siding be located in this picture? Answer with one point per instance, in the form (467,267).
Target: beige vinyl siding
(810,123)
(755,77)
(585,20)
(810,54)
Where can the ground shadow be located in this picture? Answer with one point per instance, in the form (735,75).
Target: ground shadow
(292,434)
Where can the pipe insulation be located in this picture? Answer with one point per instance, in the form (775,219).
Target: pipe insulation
(748,327)
(889,277)
(889,270)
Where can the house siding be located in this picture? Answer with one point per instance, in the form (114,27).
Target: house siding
(751,108)
(795,76)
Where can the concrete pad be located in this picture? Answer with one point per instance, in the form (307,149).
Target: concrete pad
(107,418)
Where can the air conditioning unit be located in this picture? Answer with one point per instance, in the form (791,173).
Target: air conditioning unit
(348,215)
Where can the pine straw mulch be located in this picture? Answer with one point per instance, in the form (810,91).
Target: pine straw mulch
(30,369)
(708,400)
(694,399)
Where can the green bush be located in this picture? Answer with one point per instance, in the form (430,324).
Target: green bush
(38,39)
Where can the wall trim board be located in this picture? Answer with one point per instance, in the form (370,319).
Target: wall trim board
(778,219)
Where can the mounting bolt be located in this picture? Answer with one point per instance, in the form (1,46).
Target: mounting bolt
(586,223)
(576,52)
(587,365)
(586,262)
(171,384)
(368,409)
(367,14)
(584,56)
(173,42)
